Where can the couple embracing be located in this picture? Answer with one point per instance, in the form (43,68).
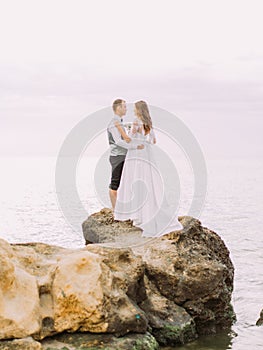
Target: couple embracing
(136,190)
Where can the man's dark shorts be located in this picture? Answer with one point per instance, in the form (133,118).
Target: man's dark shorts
(117,163)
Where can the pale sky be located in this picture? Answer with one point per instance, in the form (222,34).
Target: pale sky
(62,60)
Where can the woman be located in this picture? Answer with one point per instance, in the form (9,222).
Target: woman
(140,195)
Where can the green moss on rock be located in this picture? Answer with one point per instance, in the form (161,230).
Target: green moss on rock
(174,334)
(89,341)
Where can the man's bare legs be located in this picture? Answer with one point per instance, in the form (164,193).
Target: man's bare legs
(113,198)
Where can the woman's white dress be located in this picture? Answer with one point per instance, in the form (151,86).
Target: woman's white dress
(140,196)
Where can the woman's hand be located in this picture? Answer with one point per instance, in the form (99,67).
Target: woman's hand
(134,128)
(140,146)
(122,132)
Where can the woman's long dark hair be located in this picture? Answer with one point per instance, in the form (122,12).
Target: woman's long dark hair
(143,111)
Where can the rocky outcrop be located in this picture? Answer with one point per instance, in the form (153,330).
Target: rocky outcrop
(170,289)
(190,268)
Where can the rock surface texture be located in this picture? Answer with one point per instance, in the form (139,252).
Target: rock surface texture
(166,291)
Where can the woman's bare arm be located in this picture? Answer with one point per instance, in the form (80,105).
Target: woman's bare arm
(152,138)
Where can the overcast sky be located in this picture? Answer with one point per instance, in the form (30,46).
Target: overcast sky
(62,60)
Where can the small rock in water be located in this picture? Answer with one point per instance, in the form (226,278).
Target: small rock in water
(260,320)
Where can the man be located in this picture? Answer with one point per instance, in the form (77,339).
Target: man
(118,148)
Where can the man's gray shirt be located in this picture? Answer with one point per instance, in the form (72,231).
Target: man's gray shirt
(118,146)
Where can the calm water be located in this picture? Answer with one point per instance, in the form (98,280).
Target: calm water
(234,205)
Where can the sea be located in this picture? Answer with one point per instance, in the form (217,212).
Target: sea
(35,207)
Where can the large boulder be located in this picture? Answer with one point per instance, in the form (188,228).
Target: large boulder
(189,267)
(175,287)
(84,289)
